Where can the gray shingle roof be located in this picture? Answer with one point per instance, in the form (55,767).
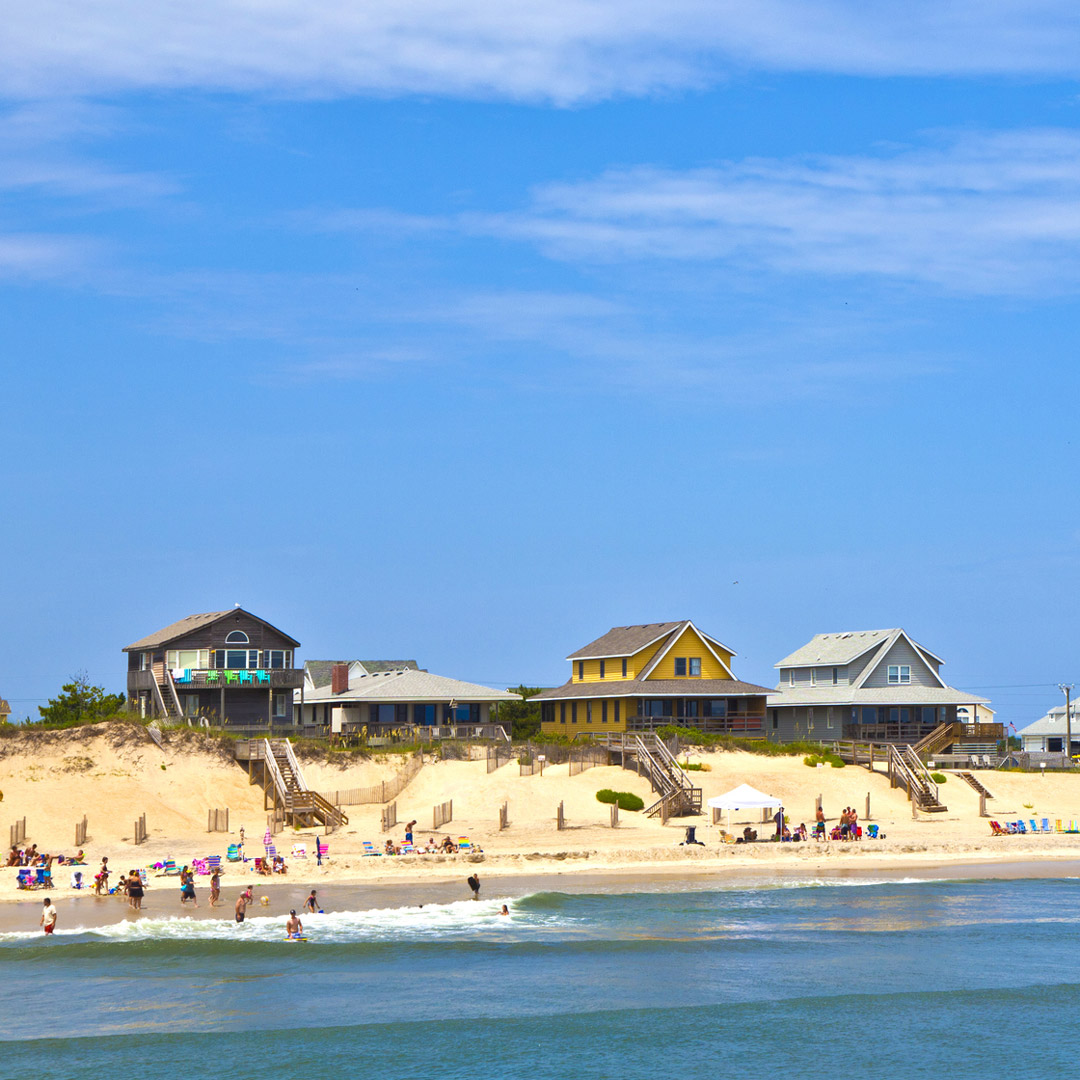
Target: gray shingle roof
(626,640)
(409,685)
(185,626)
(877,695)
(321,672)
(838,648)
(374,666)
(613,688)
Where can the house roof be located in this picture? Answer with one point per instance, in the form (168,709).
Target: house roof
(877,695)
(185,626)
(627,640)
(846,645)
(613,688)
(321,671)
(1053,723)
(5,708)
(410,684)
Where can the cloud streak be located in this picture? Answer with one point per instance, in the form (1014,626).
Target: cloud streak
(551,50)
(977,214)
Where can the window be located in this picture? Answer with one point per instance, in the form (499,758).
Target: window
(602,666)
(690,709)
(190,704)
(655,707)
(573,712)
(810,719)
(617,704)
(580,670)
(828,717)
(716,707)
(277,658)
(680,665)
(603,712)
(562,712)
(775,721)
(835,676)
(899,674)
(236,637)
(813,677)
(588,712)
(234,659)
(624,667)
(281,705)
(869,714)
(695,665)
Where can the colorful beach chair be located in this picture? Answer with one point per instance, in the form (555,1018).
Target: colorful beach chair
(369,848)
(233,853)
(1046,826)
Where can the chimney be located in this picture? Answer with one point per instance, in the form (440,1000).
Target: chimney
(339,678)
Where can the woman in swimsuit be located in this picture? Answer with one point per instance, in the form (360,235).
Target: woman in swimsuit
(187,887)
(135,890)
(215,888)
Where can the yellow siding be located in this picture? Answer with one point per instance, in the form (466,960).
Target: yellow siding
(689,645)
(641,659)
(583,726)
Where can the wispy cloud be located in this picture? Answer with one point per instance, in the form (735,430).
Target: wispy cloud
(977,214)
(559,50)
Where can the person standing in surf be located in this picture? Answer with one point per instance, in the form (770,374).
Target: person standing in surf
(311,904)
(473,881)
(187,887)
(293,926)
(215,888)
(48,916)
(242,902)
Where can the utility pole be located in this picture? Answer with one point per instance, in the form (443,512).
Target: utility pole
(1066,688)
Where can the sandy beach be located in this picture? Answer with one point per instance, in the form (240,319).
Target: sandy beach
(113,773)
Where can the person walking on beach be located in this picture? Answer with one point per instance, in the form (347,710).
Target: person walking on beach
(311,904)
(187,887)
(242,902)
(473,881)
(294,928)
(48,916)
(215,888)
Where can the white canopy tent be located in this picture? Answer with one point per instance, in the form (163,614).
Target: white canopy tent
(744,797)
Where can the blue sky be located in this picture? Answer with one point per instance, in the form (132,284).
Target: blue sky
(463,332)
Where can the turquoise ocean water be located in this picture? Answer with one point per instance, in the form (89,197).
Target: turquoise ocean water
(823,979)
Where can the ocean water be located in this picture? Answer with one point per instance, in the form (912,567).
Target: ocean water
(831,979)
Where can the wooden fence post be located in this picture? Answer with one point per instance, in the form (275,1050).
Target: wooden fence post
(560,820)
(867,814)
(504,816)
(614,815)
(982,805)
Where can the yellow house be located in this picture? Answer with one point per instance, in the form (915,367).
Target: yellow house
(638,678)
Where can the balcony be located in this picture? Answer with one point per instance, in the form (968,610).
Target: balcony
(744,725)
(231,679)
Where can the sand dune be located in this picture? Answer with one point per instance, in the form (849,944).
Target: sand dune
(113,773)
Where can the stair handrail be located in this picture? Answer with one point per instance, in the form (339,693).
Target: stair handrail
(674,769)
(275,772)
(898,765)
(294,765)
(175,695)
(938,738)
(160,698)
(921,772)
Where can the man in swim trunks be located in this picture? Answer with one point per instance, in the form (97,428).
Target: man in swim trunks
(311,903)
(48,916)
(242,902)
(294,928)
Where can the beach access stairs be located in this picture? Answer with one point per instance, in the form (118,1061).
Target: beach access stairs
(907,770)
(650,757)
(272,764)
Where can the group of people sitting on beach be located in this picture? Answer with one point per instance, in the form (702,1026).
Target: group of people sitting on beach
(274,865)
(32,857)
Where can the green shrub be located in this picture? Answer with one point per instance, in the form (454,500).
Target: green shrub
(824,758)
(938,777)
(626,800)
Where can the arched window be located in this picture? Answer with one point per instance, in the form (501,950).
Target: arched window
(236,637)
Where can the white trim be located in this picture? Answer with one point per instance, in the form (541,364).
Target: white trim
(871,668)
(717,641)
(675,635)
(644,693)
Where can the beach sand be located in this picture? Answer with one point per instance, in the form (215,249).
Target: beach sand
(113,773)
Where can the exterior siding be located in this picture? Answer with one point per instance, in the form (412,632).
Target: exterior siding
(902,653)
(689,644)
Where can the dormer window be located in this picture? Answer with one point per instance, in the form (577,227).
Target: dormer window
(695,665)
(899,674)
(236,637)
(624,667)
(581,670)
(680,665)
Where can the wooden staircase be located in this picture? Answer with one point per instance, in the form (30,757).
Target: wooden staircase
(906,770)
(975,783)
(934,743)
(272,763)
(678,796)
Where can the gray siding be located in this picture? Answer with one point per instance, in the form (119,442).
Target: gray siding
(902,653)
(793,722)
